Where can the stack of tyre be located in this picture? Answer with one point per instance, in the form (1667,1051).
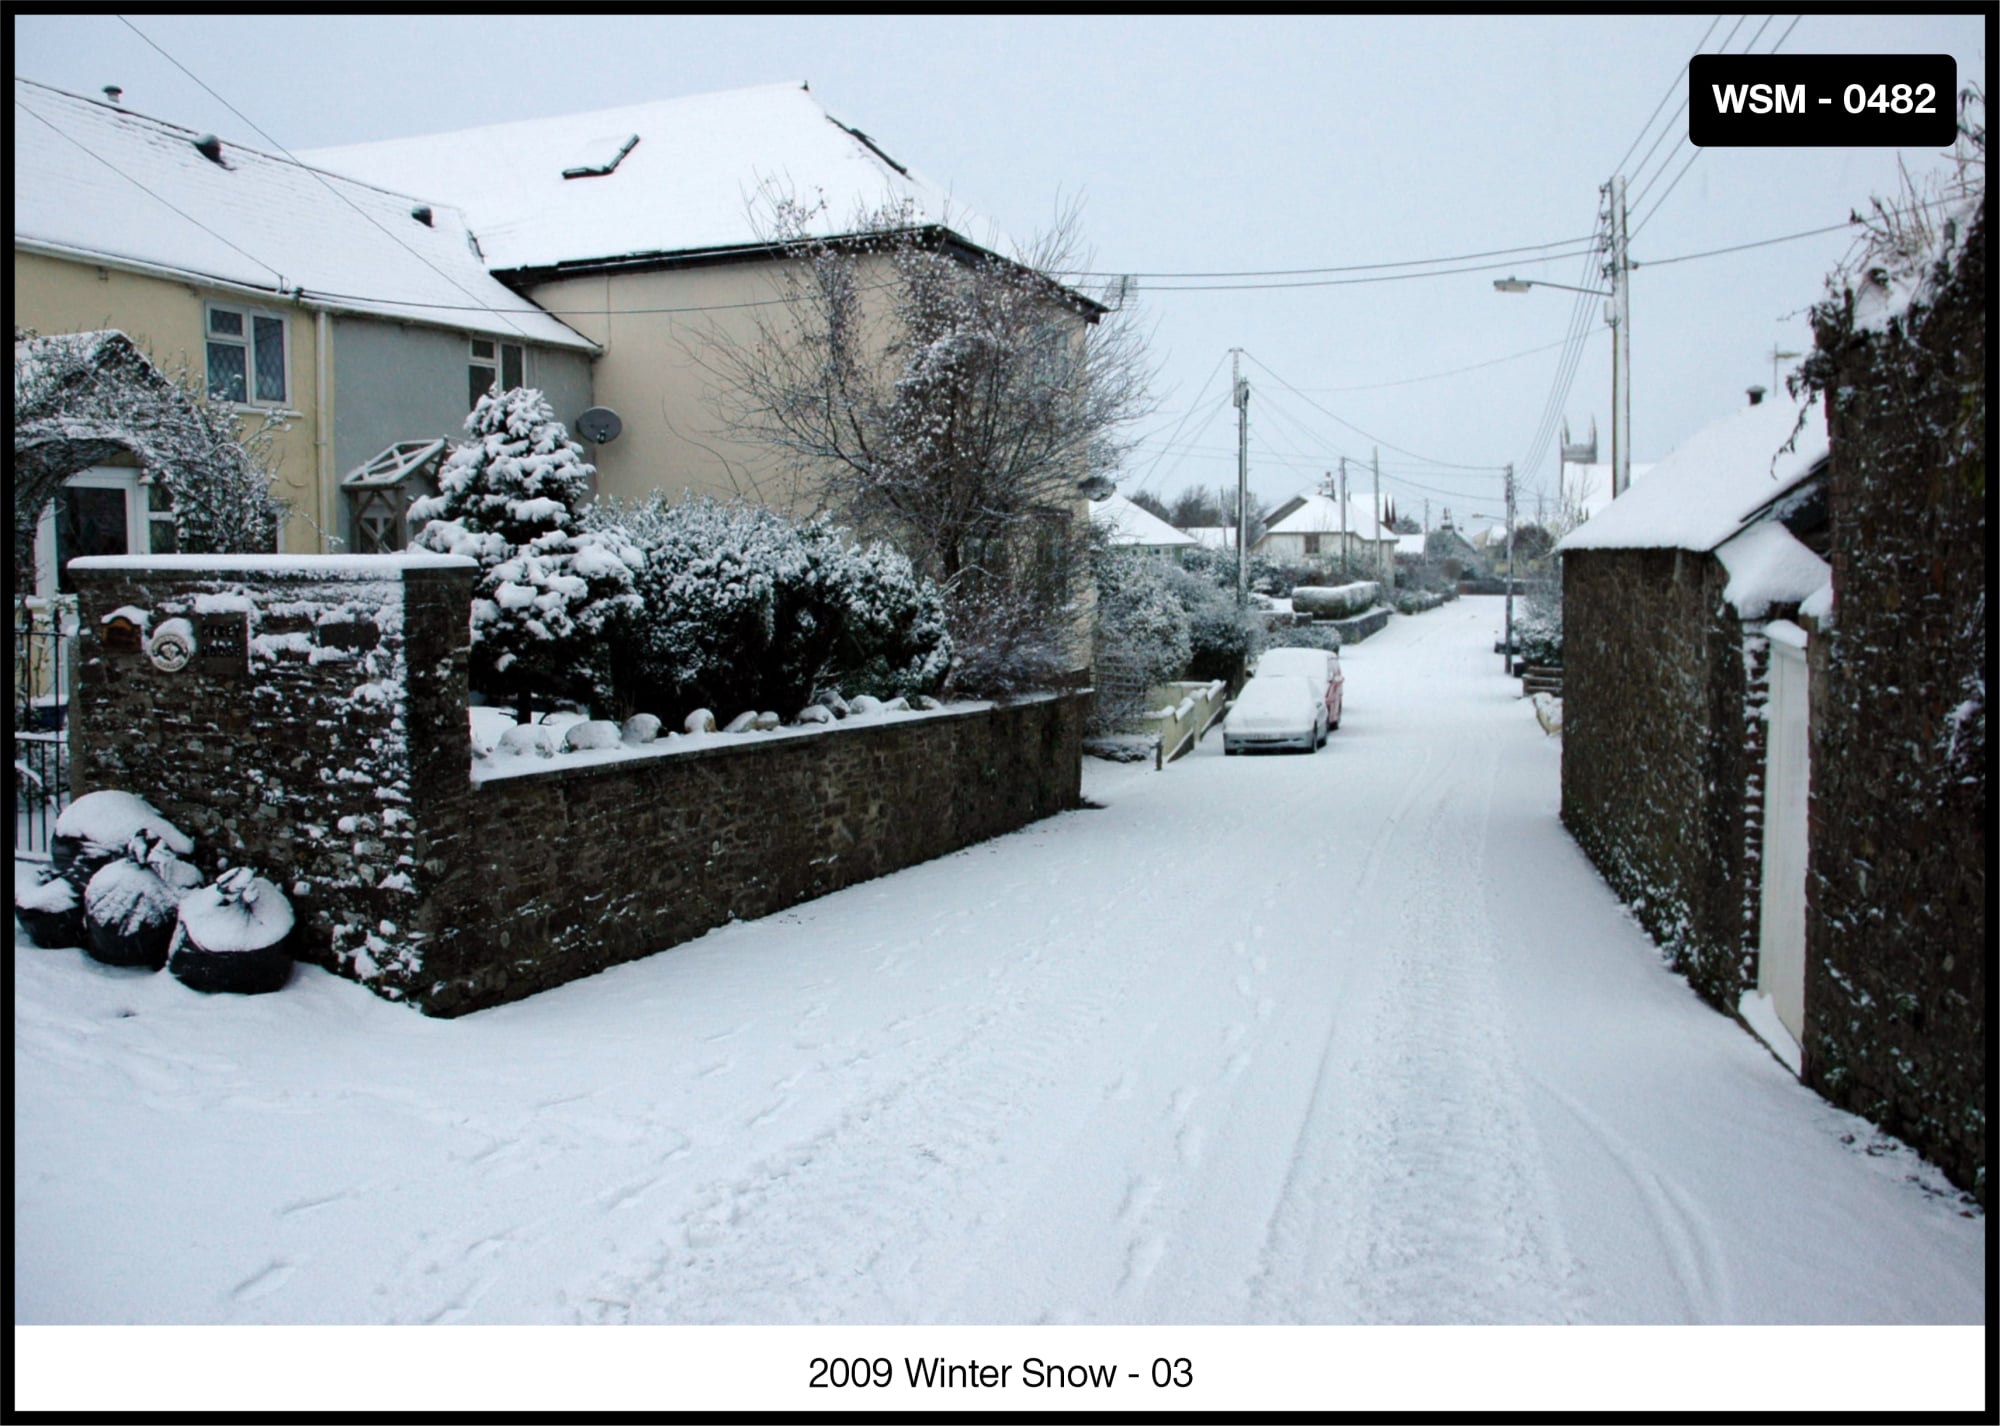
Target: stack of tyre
(122,885)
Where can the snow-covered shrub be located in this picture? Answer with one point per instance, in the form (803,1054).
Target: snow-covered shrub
(1142,633)
(509,497)
(1538,624)
(1220,638)
(1304,636)
(233,936)
(739,606)
(1342,601)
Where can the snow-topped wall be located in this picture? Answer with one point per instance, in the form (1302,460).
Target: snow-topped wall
(307,717)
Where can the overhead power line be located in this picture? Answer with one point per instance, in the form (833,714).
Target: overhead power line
(1317,271)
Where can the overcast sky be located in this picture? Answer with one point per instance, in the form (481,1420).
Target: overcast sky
(1207,145)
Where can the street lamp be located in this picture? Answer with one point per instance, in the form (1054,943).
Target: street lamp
(1621,368)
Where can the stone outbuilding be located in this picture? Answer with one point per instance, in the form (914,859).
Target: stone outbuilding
(1688,604)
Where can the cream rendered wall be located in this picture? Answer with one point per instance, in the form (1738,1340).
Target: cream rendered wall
(164,316)
(675,437)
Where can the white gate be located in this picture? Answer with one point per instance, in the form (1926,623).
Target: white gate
(1781,960)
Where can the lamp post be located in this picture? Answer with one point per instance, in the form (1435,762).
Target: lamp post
(1621,367)
(1617,315)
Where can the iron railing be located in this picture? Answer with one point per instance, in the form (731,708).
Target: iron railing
(38,776)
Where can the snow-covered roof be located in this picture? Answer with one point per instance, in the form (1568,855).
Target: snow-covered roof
(1767,565)
(1126,523)
(1712,483)
(101,183)
(1586,485)
(1213,537)
(689,180)
(1315,514)
(1411,544)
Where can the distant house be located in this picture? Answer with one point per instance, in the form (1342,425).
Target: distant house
(1213,537)
(1686,701)
(1315,527)
(357,316)
(1129,525)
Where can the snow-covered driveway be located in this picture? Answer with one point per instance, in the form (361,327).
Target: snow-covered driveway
(1357,1037)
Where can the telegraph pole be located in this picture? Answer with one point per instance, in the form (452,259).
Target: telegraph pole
(1387,576)
(1618,312)
(1241,395)
(1510,569)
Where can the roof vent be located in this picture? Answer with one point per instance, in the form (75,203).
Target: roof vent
(1756,395)
(422,213)
(601,156)
(111,92)
(210,148)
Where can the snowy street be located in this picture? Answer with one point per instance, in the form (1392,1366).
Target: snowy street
(1351,1038)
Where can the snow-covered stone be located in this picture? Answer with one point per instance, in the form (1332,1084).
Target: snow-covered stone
(741,723)
(813,713)
(764,722)
(640,728)
(699,721)
(591,735)
(864,706)
(526,740)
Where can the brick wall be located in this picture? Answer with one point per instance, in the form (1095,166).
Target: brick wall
(329,748)
(1655,762)
(1896,887)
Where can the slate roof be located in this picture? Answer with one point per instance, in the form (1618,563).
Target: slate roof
(94,181)
(1126,523)
(1713,483)
(673,177)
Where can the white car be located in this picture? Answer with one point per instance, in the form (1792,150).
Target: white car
(1320,665)
(1275,710)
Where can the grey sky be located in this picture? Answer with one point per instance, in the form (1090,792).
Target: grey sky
(1203,144)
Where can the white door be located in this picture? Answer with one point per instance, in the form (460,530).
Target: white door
(100,511)
(1781,961)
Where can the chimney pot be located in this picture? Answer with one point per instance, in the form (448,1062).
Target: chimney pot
(1756,395)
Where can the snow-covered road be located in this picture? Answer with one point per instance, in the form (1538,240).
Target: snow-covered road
(1351,1038)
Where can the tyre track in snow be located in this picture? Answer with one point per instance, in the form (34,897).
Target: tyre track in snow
(1416,1192)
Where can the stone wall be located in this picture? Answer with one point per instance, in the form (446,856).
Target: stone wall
(320,735)
(1655,765)
(1896,887)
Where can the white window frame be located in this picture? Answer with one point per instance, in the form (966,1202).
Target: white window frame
(247,343)
(138,520)
(493,359)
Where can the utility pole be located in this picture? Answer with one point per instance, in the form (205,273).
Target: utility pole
(1510,570)
(1388,576)
(1618,312)
(1776,357)
(1241,390)
(1343,517)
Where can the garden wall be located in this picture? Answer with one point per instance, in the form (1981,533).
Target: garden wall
(1656,761)
(1897,911)
(319,733)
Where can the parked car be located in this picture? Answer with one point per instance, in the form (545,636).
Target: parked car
(1319,665)
(1275,710)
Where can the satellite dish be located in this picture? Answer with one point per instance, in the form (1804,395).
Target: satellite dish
(599,424)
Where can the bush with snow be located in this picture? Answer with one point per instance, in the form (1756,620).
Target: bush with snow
(740,607)
(509,497)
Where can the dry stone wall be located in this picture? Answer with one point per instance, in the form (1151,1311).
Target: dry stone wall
(1655,763)
(319,734)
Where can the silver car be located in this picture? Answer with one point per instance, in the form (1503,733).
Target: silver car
(1276,710)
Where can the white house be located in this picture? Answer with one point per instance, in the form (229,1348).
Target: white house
(1134,526)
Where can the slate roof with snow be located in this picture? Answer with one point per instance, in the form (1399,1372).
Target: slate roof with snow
(96,182)
(1315,514)
(673,176)
(1126,523)
(1713,483)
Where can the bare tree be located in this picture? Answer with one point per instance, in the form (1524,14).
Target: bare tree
(954,401)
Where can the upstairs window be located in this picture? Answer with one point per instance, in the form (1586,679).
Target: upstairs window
(495,366)
(246,356)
